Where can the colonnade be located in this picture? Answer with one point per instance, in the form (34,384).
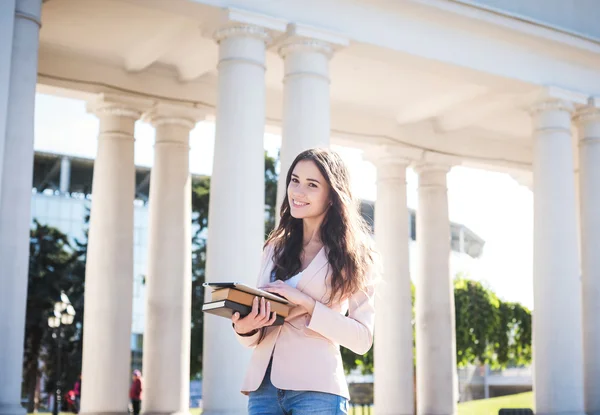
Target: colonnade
(566,327)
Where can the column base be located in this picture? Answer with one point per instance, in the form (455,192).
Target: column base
(6,409)
(168,413)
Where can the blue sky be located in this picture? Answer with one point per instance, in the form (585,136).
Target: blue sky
(491,204)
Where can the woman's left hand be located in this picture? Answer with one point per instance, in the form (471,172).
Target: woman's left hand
(291,294)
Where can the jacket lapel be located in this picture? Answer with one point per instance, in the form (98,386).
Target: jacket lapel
(316,265)
(315,268)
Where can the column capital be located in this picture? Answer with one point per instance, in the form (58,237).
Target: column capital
(432,175)
(391,168)
(235,22)
(243,30)
(551,104)
(551,110)
(165,113)
(307,39)
(306,45)
(590,112)
(383,156)
(588,123)
(552,98)
(118,105)
(432,162)
(422,167)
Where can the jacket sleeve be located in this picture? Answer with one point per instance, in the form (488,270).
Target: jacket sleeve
(252,341)
(355,331)
(249,341)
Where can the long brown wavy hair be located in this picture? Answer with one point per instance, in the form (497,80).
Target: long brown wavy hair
(343,232)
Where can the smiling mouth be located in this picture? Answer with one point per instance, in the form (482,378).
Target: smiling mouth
(299,204)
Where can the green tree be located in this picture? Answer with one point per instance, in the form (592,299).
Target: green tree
(488,330)
(514,335)
(200,203)
(477,322)
(54,267)
(270,194)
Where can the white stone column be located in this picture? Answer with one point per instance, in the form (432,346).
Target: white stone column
(306,100)
(65,175)
(434,302)
(169,277)
(109,268)
(18,79)
(7,21)
(576,180)
(236,210)
(557,335)
(394,387)
(588,121)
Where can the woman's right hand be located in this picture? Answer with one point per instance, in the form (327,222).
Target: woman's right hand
(259,317)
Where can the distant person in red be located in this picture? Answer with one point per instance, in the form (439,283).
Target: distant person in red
(135,392)
(77,392)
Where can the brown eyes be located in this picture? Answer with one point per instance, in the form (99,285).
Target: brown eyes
(294,180)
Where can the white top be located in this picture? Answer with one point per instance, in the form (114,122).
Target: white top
(294,280)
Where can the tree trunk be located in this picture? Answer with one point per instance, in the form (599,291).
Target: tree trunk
(31,367)
(38,385)
(31,383)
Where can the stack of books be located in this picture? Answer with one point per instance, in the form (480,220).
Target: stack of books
(230,297)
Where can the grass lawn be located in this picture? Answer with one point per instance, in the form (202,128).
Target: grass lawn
(480,407)
(483,406)
(493,405)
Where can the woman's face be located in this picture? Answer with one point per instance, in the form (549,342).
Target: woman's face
(308,191)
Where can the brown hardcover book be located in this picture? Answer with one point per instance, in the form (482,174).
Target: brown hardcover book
(226,308)
(245,298)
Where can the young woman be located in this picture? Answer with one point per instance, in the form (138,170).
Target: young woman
(321,259)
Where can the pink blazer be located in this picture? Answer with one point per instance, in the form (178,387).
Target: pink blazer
(306,349)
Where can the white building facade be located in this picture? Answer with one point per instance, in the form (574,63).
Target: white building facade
(430,84)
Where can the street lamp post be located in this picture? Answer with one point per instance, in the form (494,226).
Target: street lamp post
(63,315)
